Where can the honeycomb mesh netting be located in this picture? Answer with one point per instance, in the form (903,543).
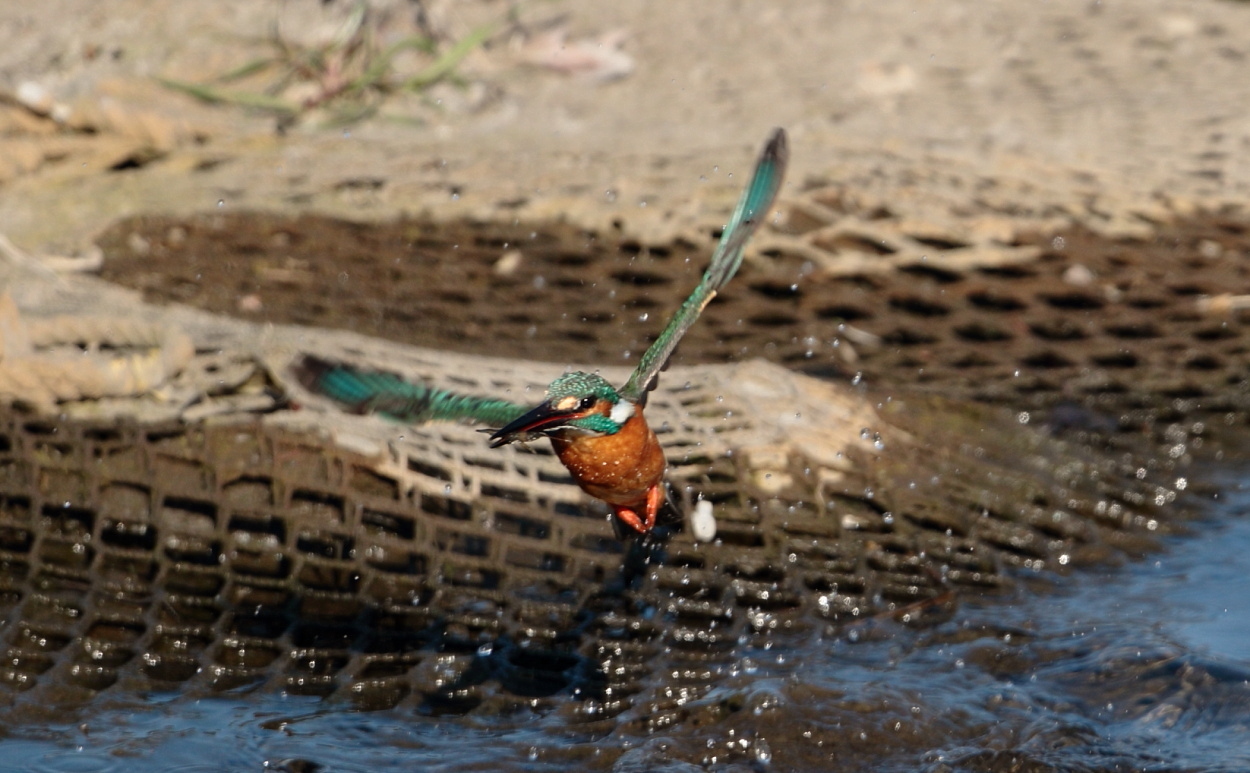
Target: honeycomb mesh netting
(1116,323)
(228,531)
(422,568)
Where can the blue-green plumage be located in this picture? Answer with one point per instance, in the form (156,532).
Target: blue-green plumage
(752,207)
(577,402)
(572,397)
(368,391)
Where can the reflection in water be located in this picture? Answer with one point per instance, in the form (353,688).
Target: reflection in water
(1142,667)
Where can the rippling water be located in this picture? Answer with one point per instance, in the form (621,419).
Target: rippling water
(1140,667)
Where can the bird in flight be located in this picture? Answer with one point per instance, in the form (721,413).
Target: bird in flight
(598,432)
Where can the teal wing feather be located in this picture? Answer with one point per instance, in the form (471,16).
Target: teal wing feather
(752,208)
(371,391)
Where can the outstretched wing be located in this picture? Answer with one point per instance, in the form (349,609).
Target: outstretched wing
(372,391)
(752,208)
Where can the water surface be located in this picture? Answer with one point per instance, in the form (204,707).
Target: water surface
(1145,666)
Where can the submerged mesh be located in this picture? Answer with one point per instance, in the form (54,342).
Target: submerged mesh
(384,565)
(228,530)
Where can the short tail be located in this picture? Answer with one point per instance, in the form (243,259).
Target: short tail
(372,391)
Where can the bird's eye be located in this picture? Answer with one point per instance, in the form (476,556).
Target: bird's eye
(586,403)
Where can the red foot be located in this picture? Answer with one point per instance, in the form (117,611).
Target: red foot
(645,524)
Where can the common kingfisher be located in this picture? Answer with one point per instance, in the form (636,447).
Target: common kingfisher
(598,432)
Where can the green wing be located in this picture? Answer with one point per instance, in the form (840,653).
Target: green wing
(752,208)
(372,391)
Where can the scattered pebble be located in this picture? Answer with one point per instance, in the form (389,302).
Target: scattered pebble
(509,262)
(1078,274)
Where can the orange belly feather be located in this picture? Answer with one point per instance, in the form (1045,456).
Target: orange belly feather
(619,468)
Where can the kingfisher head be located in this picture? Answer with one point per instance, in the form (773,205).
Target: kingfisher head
(576,403)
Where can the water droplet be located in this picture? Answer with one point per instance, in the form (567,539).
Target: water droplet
(221,203)
(703,521)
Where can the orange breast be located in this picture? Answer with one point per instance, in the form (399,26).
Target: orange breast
(618,468)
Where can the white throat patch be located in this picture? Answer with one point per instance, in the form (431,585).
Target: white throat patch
(621,412)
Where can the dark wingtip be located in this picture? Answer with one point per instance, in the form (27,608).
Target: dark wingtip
(320,376)
(778,148)
(309,370)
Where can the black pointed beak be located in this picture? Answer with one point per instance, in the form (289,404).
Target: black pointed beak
(533,424)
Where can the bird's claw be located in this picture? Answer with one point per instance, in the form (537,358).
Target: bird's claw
(643,525)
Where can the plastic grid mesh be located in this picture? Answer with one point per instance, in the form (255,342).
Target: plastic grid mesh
(434,572)
(318,553)
(1021,318)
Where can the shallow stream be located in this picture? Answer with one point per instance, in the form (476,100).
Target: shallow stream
(1145,666)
